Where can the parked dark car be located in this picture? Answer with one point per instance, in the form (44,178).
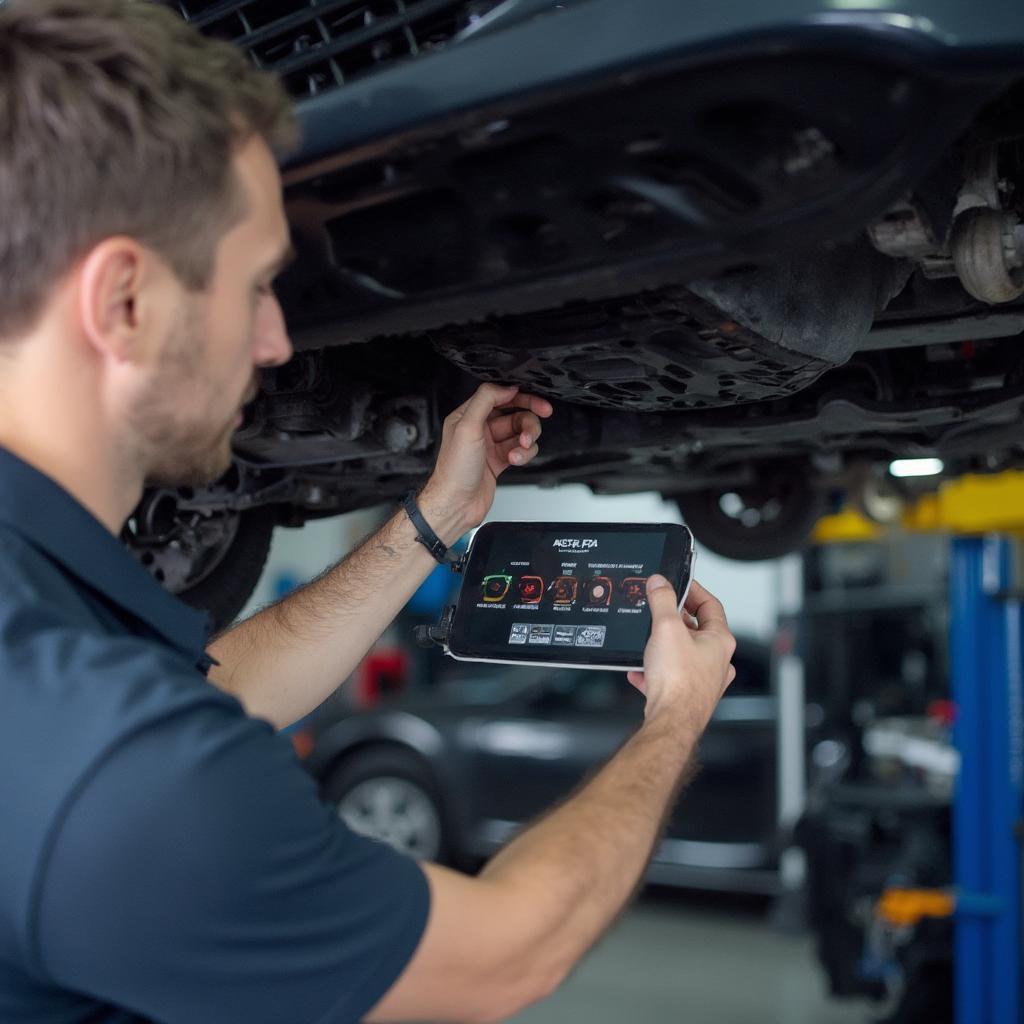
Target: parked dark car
(754,250)
(453,774)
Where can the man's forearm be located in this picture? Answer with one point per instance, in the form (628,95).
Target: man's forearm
(575,870)
(287,659)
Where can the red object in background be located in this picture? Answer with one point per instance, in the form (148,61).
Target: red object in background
(382,672)
(942,710)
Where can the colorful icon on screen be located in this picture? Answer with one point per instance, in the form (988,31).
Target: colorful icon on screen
(496,587)
(563,589)
(531,589)
(598,591)
(634,591)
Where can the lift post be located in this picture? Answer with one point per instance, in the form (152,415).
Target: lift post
(985,517)
(987,678)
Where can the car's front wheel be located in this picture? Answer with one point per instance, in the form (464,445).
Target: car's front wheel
(387,794)
(211,561)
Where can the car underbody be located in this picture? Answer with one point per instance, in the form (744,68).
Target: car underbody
(750,265)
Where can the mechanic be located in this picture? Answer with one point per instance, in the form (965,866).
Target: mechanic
(163,855)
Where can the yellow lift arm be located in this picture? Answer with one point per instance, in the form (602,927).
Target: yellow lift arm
(970,505)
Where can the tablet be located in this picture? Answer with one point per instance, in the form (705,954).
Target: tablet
(565,594)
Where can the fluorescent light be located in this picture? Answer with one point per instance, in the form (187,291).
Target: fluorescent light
(916,467)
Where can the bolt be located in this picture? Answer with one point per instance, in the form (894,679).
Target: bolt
(399,435)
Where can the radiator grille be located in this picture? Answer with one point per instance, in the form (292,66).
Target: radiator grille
(319,45)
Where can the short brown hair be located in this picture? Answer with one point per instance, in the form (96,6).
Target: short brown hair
(118,118)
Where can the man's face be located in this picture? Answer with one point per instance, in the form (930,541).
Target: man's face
(204,370)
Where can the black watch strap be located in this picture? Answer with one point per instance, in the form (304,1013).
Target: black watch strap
(424,534)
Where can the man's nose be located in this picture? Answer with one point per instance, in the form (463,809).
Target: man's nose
(271,345)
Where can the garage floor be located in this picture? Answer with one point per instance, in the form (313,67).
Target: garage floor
(673,958)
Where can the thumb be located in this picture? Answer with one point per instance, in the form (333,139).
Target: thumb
(661,599)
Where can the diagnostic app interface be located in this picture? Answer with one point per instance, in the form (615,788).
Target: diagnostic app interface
(540,592)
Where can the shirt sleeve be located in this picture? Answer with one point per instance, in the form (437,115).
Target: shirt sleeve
(197,877)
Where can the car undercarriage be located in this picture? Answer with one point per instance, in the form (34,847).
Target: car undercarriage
(751,262)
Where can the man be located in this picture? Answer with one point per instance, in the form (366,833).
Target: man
(162,855)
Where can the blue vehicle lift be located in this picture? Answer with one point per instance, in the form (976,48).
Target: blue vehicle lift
(987,666)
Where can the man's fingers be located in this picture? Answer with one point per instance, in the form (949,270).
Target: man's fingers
(485,400)
(638,680)
(512,453)
(516,424)
(489,397)
(702,610)
(661,599)
(534,403)
(707,608)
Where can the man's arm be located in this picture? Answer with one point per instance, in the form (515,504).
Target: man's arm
(287,659)
(498,942)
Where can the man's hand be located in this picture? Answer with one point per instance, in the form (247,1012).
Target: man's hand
(498,427)
(560,884)
(687,663)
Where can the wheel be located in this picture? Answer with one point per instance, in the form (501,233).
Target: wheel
(228,582)
(386,793)
(767,519)
(211,561)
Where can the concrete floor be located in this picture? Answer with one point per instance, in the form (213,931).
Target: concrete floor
(698,960)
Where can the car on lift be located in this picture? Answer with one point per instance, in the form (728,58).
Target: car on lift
(451,771)
(754,252)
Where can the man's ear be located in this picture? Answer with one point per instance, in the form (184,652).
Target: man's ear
(112,278)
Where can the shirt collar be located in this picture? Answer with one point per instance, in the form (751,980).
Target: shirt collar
(50,518)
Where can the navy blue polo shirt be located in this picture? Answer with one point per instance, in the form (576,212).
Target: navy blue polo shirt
(163,856)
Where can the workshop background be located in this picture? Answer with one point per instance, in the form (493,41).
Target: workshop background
(808,873)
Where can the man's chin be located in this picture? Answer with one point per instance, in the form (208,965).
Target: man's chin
(194,468)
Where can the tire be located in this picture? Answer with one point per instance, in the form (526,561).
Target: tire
(224,591)
(779,513)
(212,562)
(387,793)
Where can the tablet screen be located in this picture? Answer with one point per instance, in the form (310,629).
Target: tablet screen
(553,593)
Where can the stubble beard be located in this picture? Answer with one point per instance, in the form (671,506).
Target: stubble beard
(178,451)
